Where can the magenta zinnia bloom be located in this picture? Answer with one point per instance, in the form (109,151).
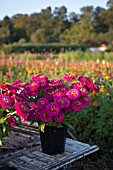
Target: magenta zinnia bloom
(41,103)
(53,109)
(34,85)
(92,86)
(60,101)
(12,121)
(59,118)
(73,94)
(48,94)
(68,109)
(69,77)
(76,105)
(6,101)
(16,82)
(30,115)
(21,110)
(85,100)
(64,89)
(34,93)
(83,91)
(57,93)
(32,105)
(84,79)
(45,116)
(55,82)
(42,79)
(38,113)
(77,85)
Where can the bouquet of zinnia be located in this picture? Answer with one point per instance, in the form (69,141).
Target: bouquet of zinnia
(48,102)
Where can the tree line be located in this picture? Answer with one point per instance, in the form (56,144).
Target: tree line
(92,27)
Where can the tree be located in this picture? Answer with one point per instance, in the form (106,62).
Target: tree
(39,36)
(73,17)
(99,23)
(60,22)
(6,31)
(110,3)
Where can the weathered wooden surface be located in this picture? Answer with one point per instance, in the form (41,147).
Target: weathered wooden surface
(24,151)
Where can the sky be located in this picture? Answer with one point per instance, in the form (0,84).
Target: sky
(12,7)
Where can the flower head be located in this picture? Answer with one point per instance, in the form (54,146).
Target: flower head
(45,116)
(59,118)
(34,85)
(85,100)
(60,101)
(77,105)
(30,115)
(69,77)
(53,109)
(12,121)
(41,103)
(6,101)
(73,94)
(21,110)
(56,82)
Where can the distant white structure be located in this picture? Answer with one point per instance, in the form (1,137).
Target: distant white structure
(98,49)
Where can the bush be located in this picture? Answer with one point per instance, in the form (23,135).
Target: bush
(17,48)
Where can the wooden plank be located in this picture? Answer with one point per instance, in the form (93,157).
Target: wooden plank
(23,150)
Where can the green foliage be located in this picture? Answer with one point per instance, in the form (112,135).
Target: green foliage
(91,27)
(94,124)
(16,48)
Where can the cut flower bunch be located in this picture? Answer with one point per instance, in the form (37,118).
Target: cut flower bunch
(48,102)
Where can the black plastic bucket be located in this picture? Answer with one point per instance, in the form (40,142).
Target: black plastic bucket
(53,140)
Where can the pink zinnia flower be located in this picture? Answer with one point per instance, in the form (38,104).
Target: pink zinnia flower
(69,77)
(42,79)
(59,118)
(67,101)
(76,105)
(73,94)
(45,116)
(16,82)
(33,93)
(84,79)
(77,85)
(60,101)
(21,110)
(7,75)
(30,115)
(57,93)
(64,89)
(85,100)
(48,94)
(68,109)
(12,121)
(34,85)
(53,109)
(95,88)
(32,105)
(55,82)
(6,101)
(41,103)
(38,113)
(83,91)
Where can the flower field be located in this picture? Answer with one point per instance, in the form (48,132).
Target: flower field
(94,124)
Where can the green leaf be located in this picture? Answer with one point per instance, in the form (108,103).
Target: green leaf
(68,124)
(1,113)
(4,129)
(2,120)
(42,126)
(1,142)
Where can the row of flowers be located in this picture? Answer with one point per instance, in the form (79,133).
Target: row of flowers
(53,102)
